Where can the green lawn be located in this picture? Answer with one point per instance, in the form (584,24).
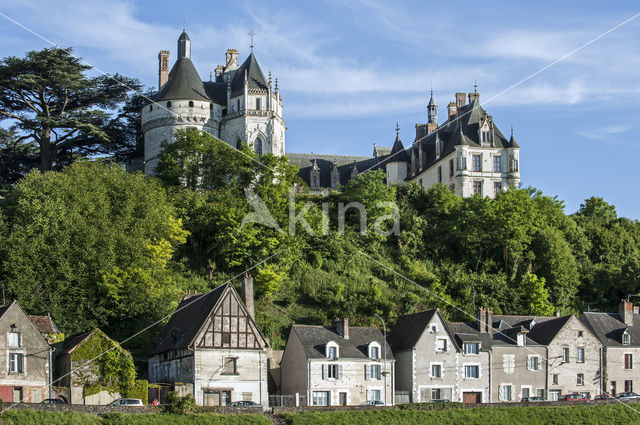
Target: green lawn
(537,415)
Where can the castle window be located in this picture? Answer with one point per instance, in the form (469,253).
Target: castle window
(440,174)
(238,105)
(211,106)
(150,108)
(497,164)
(191,104)
(258,103)
(497,188)
(477,163)
(258,146)
(477,188)
(451,168)
(168,104)
(485,137)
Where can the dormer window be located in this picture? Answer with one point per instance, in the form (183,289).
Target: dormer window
(374,351)
(521,339)
(626,337)
(471,348)
(332,350)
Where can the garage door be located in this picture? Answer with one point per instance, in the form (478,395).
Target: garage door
(472,398)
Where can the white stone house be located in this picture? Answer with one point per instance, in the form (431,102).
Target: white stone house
(212,345)
(338,366)
(619,334)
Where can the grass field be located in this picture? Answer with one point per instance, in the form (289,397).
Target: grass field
(627,414)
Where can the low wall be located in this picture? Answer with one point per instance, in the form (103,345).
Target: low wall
(96,410)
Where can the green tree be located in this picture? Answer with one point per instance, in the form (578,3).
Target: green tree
(58,109)
(91,245)
(536,297)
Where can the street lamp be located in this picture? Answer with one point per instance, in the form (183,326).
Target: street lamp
(384,367)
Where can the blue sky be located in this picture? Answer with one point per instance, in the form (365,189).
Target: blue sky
(348,70)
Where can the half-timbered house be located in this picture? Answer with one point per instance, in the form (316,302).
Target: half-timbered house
(212,348)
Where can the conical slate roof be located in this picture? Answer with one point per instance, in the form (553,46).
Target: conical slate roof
(184,36)
(254,75)
(184,83)
(398,153)
(512,142)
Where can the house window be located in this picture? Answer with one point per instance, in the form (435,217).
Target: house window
(477,162)
(626,337)
(374,371)
(333,371)
(440,174)
(436,394)
(526,392)
(451,168)
(441,345)
(580,379)
(373,395)
(321,398)
(565,355)
(628,386)
(436,371)
(497,188)
(16,361)
(226,337)
(521,340)
(230,366)
(434,328)
(509,363)
(375,353)
(168,104)
(554,379)
(258,104)
(580,355)
(471,348)
(15,339)
(628,361)
(472,372)
(497,164)
(533,363)
(332,352)
(506,393)
(477,188)
(540,392)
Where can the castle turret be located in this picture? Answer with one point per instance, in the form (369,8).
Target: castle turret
(398,162)
(184,46)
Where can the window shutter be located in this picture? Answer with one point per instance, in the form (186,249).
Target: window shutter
(340,371)
(324,371)
(366,372)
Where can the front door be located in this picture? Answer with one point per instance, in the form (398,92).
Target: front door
(342,399)
(17,394)
(471,398)
(225,398)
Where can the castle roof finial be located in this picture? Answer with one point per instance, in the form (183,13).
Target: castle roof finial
(397,130)
(251,33)
(475,85)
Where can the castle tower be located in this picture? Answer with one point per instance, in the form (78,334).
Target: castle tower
(239,106)
(398,162)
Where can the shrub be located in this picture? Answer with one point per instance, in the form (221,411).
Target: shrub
(180,405)
(139,389)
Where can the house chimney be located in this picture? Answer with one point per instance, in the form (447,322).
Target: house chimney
(556,313)
(460,101)
(247,294)
(473,97)
(342,327)
(431,127)
(484,320)
(625,311)
(163,68)
(452,110)
(232,60)
(421,131)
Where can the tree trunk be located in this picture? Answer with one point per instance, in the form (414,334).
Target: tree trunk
(47,151)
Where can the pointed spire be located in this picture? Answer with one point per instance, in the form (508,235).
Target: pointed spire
(512,140)
(252,34)
(397,131)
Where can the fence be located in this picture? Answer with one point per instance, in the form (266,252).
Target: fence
(278,400)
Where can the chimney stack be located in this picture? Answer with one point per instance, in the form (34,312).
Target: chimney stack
(163,68)
(625,311)
(232,60)
(421,131)
(342,327)
(473,97)
(460,101)
(452,110)
(247,294)
(484,320)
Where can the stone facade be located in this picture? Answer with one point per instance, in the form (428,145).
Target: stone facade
(26,358)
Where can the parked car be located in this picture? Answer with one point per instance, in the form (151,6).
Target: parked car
(628,396)
(129,402)
(533,399)
(574,397)
(53,401)
(604,396)
(245,403)
(374,403)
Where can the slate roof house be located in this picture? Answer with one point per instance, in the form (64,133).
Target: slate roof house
(340,365)
(213,345)
(619,334)
(467,153)
(26,356)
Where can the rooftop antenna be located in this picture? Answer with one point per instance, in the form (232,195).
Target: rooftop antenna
(251,33)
